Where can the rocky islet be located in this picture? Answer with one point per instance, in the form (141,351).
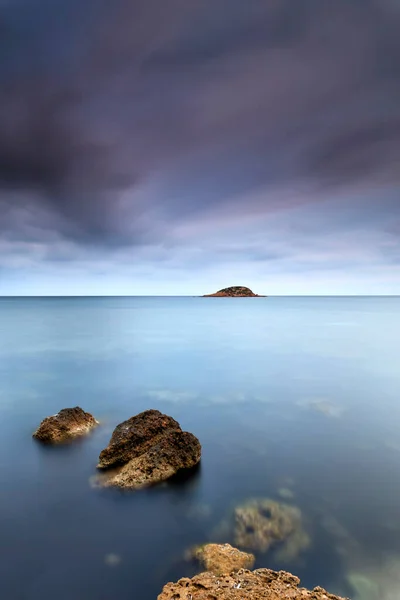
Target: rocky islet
(236,291)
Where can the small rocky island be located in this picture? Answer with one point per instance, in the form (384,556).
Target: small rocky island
(236,291)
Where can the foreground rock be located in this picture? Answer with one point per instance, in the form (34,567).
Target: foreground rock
(147,449)
(261,584)
(65,425)
(222,558)
(237,291)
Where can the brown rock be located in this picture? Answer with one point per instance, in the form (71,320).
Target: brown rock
(66,424)
(261,584)
(135,436)
(222,558)
(146,449)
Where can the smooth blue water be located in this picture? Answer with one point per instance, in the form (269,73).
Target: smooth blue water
(298,393)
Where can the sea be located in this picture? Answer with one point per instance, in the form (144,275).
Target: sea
(295,400)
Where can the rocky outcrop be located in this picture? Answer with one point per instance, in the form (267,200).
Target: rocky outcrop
(147,449)
(261,584)
(222,558)
(234,292)
(66,424)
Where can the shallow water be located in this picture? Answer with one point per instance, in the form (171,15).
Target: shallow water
(293,394)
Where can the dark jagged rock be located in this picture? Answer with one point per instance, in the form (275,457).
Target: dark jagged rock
(234,292)
(135,436)
(146,449)
(66,424)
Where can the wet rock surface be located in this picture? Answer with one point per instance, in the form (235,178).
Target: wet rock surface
(222,558)
(260,524)
(146,449)
(65,425)
(261,584)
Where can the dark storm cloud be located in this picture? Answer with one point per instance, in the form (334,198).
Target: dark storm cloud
(213,100)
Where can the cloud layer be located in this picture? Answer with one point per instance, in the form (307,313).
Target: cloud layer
(152,134)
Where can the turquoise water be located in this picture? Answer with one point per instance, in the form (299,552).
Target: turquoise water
(292,397)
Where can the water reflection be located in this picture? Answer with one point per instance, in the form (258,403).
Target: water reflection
(323,406)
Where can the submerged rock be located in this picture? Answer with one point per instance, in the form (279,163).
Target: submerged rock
(261,584)
(112,560)
(260,524)
(147,449)
(222,558)
(66,424)
(286,493)
(200,511)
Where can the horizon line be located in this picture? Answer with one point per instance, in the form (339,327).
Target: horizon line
(9,296)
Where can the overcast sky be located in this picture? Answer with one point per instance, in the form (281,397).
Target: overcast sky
(180,146)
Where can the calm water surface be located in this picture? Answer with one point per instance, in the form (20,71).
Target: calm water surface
(297,397)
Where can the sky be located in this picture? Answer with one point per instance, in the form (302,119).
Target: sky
(178,147)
